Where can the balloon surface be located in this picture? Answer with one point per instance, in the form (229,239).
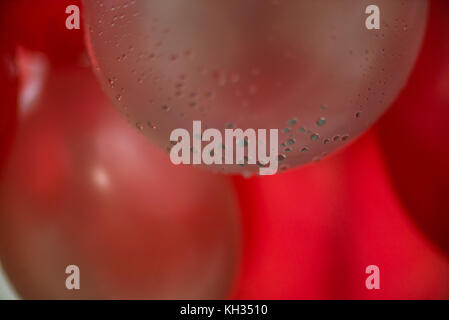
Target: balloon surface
(310,69)
(415,133)
(83,188)
(8,89)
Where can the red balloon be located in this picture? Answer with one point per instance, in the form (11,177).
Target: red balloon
(415,133)
(311,233)
(83,188)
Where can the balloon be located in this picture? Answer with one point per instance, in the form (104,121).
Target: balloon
(310,69)
(415,134)
(310,234)
(82,188)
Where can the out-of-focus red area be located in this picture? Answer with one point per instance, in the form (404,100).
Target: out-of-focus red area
(8,88)
(42,28)
(312,232)
(415,134)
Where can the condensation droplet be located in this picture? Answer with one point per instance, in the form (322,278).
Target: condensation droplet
(321,122)
(282,157)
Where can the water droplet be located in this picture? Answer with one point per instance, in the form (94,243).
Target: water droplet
(262,165)
(150,125)
(139,126)
(282,157)
(321,122)
(111,83)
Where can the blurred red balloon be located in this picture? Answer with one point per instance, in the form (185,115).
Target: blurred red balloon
(311,233)
(8,88)
(83,188)
(40,25)
(415,133)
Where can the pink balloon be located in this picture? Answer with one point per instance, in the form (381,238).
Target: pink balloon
(311,69)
